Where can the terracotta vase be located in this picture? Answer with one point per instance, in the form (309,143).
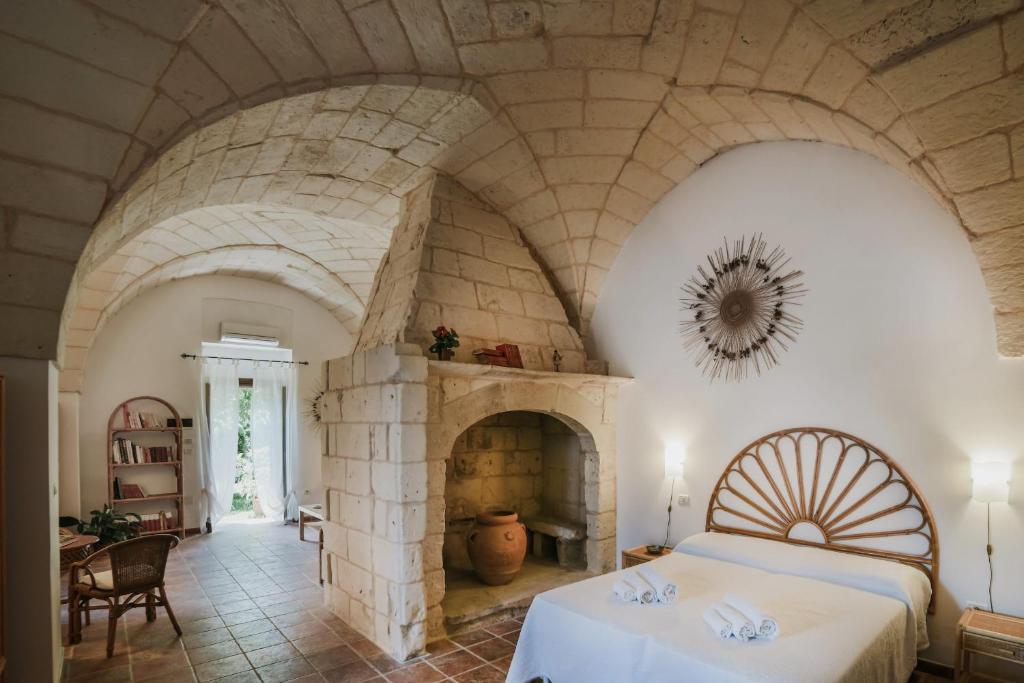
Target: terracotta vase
(497,546)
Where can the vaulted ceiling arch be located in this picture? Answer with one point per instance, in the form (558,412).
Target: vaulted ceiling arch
(570,91)
(330,260)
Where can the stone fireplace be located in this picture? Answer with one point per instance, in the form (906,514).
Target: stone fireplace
(413,447)
(531,464)
(397,424)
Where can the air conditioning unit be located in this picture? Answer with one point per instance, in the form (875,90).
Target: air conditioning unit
(248,335)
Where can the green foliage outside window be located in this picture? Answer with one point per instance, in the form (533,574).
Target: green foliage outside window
(245,480)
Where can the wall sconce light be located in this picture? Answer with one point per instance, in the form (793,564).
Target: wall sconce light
(991,483)
(675,460)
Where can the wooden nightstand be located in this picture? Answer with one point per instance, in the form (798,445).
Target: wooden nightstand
(993,635)
(638,555)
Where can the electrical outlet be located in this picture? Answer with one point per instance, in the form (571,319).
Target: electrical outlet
(684,499)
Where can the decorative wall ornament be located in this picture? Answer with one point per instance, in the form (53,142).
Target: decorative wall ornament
(740,315)
(313,407)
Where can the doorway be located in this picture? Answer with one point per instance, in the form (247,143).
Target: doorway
(243,499)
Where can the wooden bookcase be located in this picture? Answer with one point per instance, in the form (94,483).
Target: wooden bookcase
(118,428)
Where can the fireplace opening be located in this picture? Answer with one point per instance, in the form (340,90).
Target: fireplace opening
(533,464)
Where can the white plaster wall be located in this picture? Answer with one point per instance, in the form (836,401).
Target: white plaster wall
(32,630)
(899,349)
(137,353)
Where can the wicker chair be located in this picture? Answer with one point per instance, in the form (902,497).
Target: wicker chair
(135,579)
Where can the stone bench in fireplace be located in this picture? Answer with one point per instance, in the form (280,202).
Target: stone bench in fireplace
(568,539)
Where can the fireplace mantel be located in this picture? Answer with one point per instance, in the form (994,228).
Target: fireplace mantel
(448,368)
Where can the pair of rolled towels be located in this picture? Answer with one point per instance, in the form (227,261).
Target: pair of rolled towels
(644,585)
(736,617)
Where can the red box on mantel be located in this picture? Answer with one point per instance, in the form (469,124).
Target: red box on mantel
(511,353)
(506,356)
(491,357)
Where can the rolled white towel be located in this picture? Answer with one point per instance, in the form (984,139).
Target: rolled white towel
(742,628)
(718,623)
(665,589)
(624,590)
(645,594)
(765,626)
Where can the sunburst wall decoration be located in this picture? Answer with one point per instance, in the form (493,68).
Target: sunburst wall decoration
(740,315)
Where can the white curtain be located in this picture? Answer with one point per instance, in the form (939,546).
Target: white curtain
(275,408)
(218,435)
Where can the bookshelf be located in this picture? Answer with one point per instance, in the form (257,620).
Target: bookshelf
(140,444)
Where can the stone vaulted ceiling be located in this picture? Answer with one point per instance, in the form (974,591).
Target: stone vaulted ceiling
(572,118)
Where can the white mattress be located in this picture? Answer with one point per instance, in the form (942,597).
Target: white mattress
(856,620)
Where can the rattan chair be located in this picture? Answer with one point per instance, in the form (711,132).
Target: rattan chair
(135,579)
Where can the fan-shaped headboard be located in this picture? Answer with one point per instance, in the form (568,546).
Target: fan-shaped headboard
(822,487)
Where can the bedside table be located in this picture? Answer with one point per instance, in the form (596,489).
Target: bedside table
(638,555)
(993,635)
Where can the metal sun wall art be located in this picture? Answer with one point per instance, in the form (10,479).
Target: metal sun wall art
(740,315)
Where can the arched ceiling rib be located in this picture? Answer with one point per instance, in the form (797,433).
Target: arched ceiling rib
(330,260)
(571,86)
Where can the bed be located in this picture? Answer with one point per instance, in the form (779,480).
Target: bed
(817,527)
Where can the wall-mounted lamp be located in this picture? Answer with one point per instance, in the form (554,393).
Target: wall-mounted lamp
(991,480)
(675,460)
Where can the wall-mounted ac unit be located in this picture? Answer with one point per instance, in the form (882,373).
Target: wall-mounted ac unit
(248,335)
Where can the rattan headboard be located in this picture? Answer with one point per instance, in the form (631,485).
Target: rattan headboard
(842,491)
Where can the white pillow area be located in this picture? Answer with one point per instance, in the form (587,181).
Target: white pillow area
(882,577)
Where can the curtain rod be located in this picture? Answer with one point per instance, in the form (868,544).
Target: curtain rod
(254,360)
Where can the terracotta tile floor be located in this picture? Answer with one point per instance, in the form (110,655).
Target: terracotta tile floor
(248,600)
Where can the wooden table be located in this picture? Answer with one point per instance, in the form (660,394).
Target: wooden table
(638,555)
(986,633)
(77,549)
(306,513)
(313,512)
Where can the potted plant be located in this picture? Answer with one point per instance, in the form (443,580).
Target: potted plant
(444,341)
(111,527)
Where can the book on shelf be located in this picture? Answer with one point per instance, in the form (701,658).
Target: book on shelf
(132,491)
(157,521)
(125,452)
(137,419)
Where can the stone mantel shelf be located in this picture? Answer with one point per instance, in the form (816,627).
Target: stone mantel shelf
(449,368)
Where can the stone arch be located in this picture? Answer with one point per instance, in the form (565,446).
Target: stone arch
(263,262)
(321,176)
(584,405)
(573,89)
(522,442)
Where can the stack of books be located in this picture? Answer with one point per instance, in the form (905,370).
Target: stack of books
(159,521)
(134,419)
(127,453)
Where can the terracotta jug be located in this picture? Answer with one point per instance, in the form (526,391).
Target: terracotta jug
(497,546)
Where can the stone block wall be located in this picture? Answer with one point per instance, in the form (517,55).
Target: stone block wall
(563,460)
(478,276)
(455,261)
(391,297)
(375,476)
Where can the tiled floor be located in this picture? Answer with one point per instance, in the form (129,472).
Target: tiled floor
(249,602)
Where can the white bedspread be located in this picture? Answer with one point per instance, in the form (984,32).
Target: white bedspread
(830,632)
